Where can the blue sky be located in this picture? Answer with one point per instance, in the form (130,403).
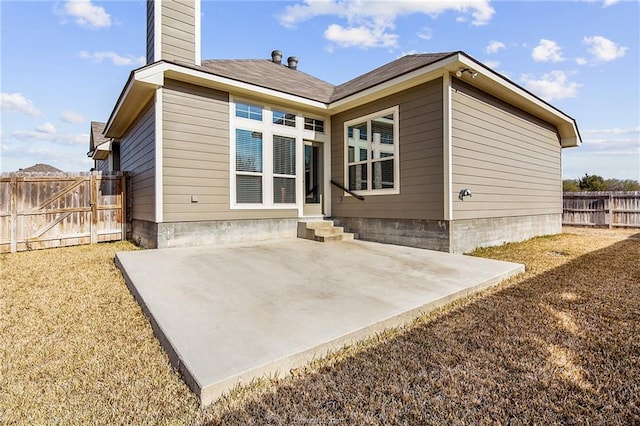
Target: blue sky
(64,63)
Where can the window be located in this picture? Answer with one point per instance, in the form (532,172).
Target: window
(372,152)
(313,124)
(252,112)
(266,147)
(284,118)
(248,166)
(284,169)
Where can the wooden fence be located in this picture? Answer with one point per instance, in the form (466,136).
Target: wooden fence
(43,210)
(612,209)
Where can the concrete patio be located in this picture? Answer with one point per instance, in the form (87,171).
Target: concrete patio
(228,314)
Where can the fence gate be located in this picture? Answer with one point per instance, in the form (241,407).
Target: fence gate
(55,210)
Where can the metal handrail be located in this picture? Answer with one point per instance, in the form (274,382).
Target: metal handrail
(359,197)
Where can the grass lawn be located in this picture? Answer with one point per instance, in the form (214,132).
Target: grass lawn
(557,344)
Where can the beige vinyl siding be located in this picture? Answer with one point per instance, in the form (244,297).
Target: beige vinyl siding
(137,156)
(196,156)
(420,143)
(509,159)
(150,31)
(178,30)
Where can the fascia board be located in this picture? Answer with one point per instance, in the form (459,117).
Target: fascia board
(123,95)
(102,151)
(151,76)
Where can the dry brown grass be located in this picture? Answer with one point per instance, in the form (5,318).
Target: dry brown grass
(75,347)
(558,344)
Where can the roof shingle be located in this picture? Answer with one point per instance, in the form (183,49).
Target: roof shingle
(387,72)
(40,168)
(97,138)
(267,74)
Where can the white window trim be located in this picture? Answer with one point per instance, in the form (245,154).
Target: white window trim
(268,130)
(395,110)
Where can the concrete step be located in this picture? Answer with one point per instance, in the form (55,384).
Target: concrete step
(345,236)
(318,224)
(329,231)
(323,231)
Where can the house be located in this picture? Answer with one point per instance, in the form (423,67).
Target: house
(40,168)
(431,150)
(105,154)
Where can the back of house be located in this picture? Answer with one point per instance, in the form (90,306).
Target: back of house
(430,150)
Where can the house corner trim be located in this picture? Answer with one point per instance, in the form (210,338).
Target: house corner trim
(447,145)
(159,207)
(198,33)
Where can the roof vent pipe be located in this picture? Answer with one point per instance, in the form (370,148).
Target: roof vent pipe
(293,62)
(276,57)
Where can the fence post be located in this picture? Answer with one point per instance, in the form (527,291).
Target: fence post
(94,208)
(123,205)
(610,210)
(14,214)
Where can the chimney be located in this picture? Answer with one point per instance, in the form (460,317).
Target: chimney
(276,57)
(165,20)
(293,62)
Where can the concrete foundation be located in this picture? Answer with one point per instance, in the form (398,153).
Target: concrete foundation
(144,233)
(193,234)
(427,234)
(469,234)
(457,236)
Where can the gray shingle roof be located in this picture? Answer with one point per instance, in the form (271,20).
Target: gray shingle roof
(387,72)
(40,168)
(267,74)
(97,138)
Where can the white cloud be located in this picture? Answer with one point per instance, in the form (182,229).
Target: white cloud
(362,37)
(605,3)
(15,102)
(46,128)
(72,117)
(581,61)
(87,14)
(613,145)
(115,58)
(426,33)
(613,131)
(554,85)
(48,133)
(547,50)
(44,132)
(31,135)
(603,49)
(495,46)
(371,24)
(70,158)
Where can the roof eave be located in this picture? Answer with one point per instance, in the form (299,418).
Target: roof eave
(487,80)
(141,85)
(503,88)
(136,94)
